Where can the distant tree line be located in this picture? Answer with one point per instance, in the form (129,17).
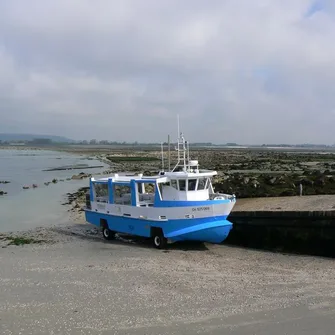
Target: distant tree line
(135,143)
(48,141)
(35,141)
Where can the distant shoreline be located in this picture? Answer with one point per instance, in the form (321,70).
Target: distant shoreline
(102,149)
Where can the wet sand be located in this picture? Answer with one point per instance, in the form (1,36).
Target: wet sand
(77,283)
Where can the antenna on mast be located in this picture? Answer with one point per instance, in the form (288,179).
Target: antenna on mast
(178,125)
(162,156)
(169,157)
(188,152)
(181,150)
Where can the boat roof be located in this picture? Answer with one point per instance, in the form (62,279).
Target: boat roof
(193,174)
(128,178)
(163,177)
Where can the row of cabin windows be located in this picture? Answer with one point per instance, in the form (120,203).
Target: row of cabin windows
(101,189)
(180,184)
(120,192)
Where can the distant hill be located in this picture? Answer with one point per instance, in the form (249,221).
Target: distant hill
(30,137)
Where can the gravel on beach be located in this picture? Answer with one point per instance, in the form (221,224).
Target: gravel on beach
(74,282)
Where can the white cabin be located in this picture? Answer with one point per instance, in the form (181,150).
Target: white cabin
(187,186)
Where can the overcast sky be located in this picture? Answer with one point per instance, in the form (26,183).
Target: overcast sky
(246,71)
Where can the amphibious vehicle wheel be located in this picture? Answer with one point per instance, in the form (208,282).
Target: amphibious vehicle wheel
(107,233)
(158,239)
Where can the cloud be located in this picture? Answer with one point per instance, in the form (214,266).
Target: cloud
(246,71)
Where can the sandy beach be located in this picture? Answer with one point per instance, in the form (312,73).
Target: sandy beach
(74,282)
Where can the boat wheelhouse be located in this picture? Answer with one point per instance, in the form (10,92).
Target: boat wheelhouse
(175,205)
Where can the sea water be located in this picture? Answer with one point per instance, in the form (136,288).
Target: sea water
(23,209)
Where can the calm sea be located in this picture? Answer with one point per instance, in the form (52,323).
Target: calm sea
(26,209)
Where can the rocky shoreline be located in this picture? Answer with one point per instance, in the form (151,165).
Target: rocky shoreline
(247,173)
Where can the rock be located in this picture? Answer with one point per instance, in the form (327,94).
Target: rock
(255,183)
(54,180)
(281,180)
(3,193)
(246,180)
(306,182)
(47,183)
(287,193)
(26,187)
(4,182)
(320,181)
(81,175)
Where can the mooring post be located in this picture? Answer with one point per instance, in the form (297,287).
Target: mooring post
(300,187)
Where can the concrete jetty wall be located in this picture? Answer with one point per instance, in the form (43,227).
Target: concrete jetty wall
(294,231)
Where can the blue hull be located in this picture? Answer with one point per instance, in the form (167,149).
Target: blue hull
(210,229)
(215,234)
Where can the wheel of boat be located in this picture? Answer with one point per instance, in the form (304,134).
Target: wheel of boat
(107,233)
(158,239)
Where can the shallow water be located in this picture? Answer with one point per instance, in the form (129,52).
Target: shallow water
(26,209)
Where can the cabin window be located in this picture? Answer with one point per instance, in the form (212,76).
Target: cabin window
(101,192)
(192,183)
(182,184)
(122,194)
(208,181)
(174,184)
(161,186)
(139,187)
(147,198)
(202,183)
(149,187)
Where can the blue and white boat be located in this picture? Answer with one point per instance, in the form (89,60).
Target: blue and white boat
(174,205)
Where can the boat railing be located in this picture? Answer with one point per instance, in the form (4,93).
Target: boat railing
(146,199)
(124,199)
(102,199)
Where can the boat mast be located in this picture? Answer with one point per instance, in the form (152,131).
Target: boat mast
(181,142)
(184,150)
(162,156)
(188,154)
(169,158)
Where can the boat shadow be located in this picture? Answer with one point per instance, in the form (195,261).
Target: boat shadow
(176,246)
(86,232)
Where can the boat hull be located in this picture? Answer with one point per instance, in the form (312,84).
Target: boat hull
(213,229)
